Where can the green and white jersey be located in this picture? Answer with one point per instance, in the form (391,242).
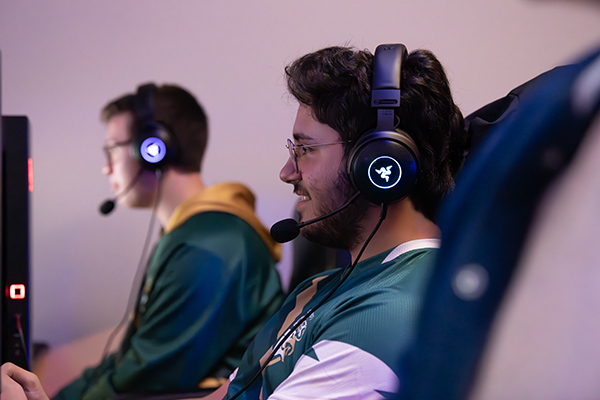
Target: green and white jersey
(347,348)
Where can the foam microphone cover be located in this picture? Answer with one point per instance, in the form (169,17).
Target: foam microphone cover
(107,207)
(284,231)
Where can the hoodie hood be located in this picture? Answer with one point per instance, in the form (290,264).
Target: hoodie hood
(233,198)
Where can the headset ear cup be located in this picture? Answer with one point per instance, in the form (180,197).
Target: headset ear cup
(154,144)
(153,147)
(384,166)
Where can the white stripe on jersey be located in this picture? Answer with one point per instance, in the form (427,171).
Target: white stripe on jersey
(413,245)
(342,372)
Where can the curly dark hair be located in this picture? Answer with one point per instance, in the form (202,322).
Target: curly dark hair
(182,112)
(335,83)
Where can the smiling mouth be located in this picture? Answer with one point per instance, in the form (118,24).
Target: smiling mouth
(303,195)
(301,192)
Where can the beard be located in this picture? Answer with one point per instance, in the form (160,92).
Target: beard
(342,230)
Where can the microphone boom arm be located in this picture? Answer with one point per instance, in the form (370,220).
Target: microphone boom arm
(322,217)
(288,229)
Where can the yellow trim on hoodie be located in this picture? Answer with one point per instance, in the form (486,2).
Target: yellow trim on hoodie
(230,197)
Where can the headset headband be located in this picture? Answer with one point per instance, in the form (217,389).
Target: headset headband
(385,93)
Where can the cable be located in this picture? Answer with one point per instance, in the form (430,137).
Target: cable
(22,337)
(140,271)
(346,273)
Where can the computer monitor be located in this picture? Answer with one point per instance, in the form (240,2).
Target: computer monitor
(1,264)
(16,185)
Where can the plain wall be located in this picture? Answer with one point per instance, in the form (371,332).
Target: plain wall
(63,60)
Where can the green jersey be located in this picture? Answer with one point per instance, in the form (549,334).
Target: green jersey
(348,347)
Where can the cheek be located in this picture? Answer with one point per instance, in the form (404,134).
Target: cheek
(319,183)
(125,169)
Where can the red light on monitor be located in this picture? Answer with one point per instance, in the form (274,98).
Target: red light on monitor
(17,291)
(30,173)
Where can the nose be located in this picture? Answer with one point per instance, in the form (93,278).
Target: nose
(106,168)
(288,173)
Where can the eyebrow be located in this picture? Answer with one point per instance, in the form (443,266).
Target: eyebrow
(302,136)
(112,142)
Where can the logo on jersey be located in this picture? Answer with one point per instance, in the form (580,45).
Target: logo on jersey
(385,172)
(289,346)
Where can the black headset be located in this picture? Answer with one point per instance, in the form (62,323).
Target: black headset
(384,163)
(154,143)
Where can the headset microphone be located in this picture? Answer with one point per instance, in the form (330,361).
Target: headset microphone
(109,205)
(288,229)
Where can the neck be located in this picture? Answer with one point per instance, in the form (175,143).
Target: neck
(177,187)
(402,224)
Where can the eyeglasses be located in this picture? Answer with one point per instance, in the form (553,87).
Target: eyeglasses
(294,148)
(109,148)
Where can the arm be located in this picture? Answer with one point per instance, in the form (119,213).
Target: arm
(339,371)
(174,346)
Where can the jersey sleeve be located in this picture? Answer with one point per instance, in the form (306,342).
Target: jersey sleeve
(337,370)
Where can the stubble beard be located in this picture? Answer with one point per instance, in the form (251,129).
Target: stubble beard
(342,230)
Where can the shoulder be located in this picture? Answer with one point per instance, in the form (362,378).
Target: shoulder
(397,277)
(212,230)
(382,282)
(318,281)
(217,239)
(216,221)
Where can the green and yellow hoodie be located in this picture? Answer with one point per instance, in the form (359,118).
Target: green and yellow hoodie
(210,286)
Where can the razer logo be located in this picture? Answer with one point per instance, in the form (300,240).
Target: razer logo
(385,172)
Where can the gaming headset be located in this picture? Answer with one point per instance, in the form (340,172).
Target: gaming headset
(154,144)
(384,163)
